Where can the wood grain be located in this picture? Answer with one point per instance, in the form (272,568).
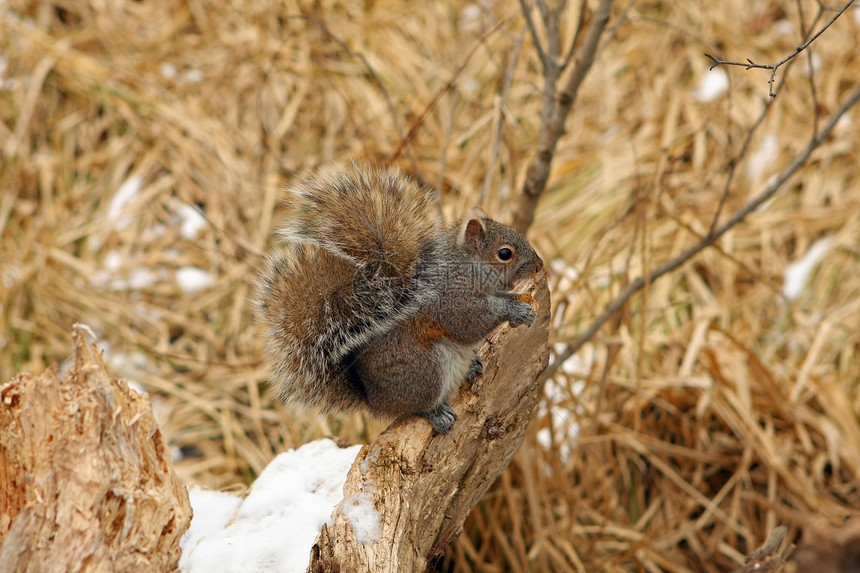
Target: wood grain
(86,479)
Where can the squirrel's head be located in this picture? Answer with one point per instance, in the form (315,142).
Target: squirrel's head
(507,255)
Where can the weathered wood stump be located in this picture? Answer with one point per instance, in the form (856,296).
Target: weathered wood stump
(422,485)
(86,479)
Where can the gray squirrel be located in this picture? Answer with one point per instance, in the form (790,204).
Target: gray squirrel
(371,302)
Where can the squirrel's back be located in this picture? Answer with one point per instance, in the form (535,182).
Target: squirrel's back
(366,214)
(348,269)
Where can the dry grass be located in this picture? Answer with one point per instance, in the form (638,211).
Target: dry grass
(711,411)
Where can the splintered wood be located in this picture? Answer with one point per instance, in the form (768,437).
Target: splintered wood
(86,479)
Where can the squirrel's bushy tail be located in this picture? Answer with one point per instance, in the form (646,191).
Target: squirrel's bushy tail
(349,268)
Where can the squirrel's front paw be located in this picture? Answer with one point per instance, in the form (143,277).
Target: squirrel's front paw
(521,313)
(476,368)
(442,417)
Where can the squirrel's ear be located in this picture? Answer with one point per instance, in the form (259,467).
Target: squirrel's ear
(477,213)
(472,234)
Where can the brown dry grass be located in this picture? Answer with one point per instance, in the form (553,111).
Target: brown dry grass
(711,411)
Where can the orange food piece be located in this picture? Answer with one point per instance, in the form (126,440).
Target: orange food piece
(529,299)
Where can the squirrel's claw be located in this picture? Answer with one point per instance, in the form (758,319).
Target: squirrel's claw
(476,368)
(521,313)
(442,417)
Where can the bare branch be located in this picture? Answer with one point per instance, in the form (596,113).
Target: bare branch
(527,13)
(736,160)
(804,34)
(773,67)
(738,216)
(575,42)
(554,116)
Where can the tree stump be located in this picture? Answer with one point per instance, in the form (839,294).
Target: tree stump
(409,492)
(86,479)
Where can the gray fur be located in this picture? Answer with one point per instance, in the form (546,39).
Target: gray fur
(371,303)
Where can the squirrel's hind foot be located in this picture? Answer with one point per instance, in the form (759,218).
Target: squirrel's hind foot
(442,417)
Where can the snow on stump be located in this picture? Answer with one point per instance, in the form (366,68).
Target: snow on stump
(409,492)
(86,479)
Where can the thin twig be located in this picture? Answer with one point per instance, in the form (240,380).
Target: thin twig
(804,34)
(580,24)
(738,216)
(320,23)
(735,162)
(773,67)
(527,13)
(500,122)
(404,142)
(443,149)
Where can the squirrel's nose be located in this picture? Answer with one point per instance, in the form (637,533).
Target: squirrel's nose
(538,265)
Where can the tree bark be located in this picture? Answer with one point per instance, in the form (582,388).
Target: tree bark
(422,485)
(86,479)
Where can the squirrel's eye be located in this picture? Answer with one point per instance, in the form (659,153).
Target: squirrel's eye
(505,254)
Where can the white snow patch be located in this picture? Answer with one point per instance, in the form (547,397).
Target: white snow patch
(816,61)
(10,274)
(4,63)
(711,86)
(139,278)
(136,386)
(168,70)
(274,527)
(124,196)
(843,126)
(213,510)
(192,280)
(561,267)
(797,272)
(784,27)
(577,365)
(763,158)
(112,261)
(470,15)
(191,76)
(177,455)
(7,84)
(128,365)
(156,231)
(361,513)
(191,221)
(470,86)
(564,422)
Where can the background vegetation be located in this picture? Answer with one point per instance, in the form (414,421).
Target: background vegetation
(711,410)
